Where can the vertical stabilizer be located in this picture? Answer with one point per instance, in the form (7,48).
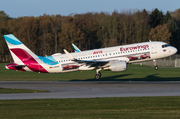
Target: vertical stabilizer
(17,49)
(24,58)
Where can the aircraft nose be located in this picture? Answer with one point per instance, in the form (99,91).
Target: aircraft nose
(174,50)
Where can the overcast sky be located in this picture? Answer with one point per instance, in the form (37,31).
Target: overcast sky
(19,8)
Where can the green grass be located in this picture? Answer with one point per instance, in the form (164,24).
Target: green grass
(133,73)
(90,108)
(13,90)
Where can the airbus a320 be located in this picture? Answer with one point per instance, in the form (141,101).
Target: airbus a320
(111,58)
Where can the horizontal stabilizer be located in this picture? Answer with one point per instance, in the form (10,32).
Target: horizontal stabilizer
(17,66)
(14,66)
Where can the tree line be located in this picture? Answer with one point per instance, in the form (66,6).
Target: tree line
(46,35)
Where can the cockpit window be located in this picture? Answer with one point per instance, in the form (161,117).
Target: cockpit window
(166,45)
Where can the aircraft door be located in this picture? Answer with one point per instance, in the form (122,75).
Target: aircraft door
(153,48)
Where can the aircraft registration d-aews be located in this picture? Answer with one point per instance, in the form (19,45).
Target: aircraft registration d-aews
(111,58)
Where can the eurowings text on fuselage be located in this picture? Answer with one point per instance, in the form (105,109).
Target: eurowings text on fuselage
(112,58)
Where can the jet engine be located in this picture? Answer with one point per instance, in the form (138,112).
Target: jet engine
(118,66)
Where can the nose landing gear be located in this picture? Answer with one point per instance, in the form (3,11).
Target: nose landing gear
(155,65)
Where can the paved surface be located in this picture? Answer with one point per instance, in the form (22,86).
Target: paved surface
(94,89)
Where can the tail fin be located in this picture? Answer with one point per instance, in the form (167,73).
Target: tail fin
(24,58)
(17,49)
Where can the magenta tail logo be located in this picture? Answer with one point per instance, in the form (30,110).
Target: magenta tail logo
(28,60)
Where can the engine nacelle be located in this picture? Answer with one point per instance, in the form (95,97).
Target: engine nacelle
(118,66)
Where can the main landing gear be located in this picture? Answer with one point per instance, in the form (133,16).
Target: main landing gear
(98,74)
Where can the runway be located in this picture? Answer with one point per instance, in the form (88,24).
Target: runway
(85,89)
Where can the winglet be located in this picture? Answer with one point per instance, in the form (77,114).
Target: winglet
(76,48)
(69,55)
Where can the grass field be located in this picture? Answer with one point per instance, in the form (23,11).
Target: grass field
(92,108)
(133,73)
(8,90)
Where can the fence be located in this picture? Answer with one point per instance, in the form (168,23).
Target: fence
(172,61)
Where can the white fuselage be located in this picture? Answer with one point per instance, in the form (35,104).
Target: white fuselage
(130,53)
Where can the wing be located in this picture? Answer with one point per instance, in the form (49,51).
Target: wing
(95,63)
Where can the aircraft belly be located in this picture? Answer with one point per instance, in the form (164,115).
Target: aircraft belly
(143,60)
(54,69)
(71,70)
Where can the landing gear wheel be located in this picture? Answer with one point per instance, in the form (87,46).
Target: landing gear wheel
(97,76)
(156,67)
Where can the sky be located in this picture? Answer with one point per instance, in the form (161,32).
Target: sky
(20,8)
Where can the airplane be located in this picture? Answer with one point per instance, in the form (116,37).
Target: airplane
(114,58)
